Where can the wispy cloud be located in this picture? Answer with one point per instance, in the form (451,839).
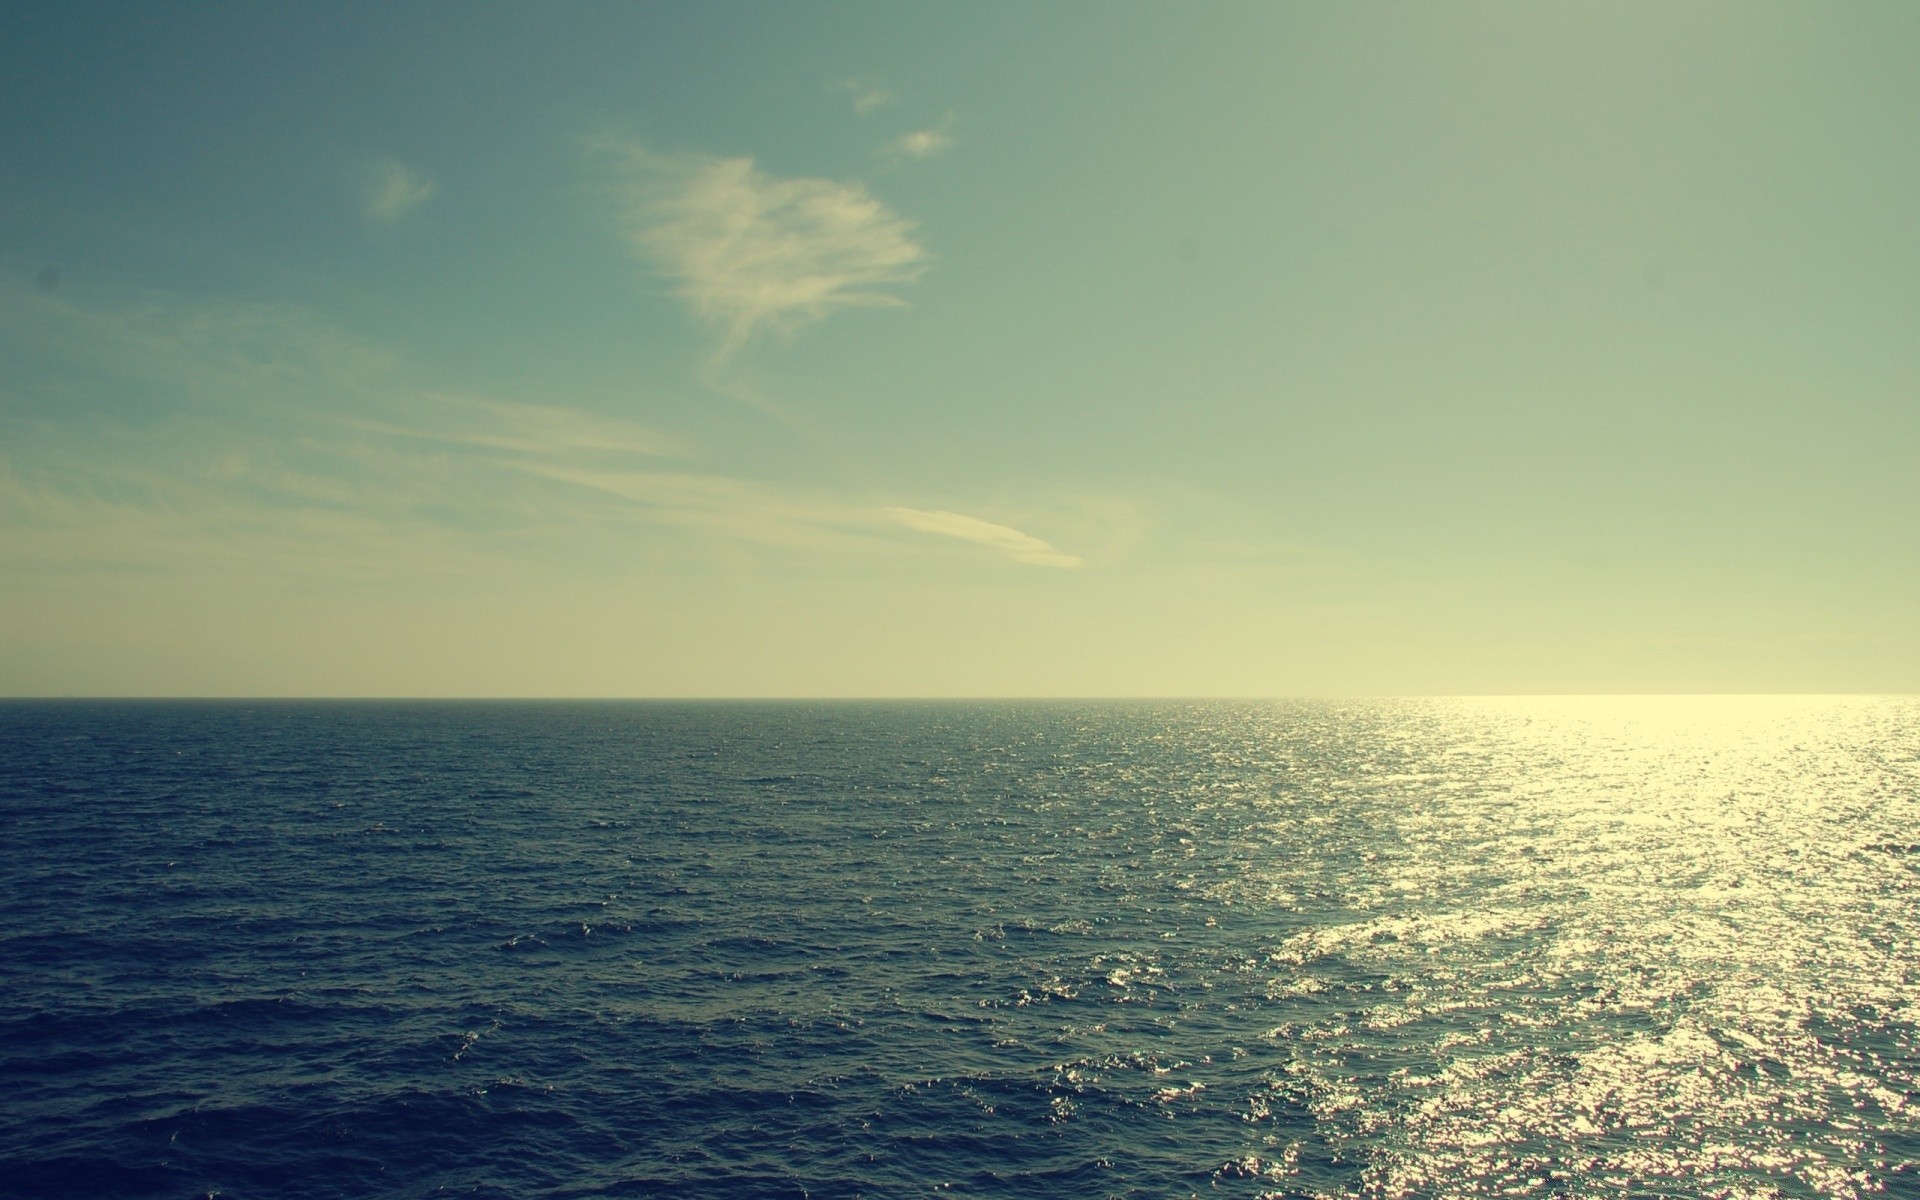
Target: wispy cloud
(266,439)
(531,429)
(1021,547)
(392,190)
(788,516)
(868,96)
(752,252)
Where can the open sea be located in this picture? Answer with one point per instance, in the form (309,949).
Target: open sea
(1657,947)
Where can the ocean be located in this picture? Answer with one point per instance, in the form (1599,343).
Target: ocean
(1659,947)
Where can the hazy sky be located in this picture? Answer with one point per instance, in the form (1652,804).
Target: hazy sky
(969,349)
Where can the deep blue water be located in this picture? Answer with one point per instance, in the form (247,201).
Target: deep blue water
(1397,948)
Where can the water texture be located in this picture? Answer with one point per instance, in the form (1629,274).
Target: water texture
(1640,947)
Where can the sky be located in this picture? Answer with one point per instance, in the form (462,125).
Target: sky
(994,349)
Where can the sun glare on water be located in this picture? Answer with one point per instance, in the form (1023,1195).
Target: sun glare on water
(1627,940)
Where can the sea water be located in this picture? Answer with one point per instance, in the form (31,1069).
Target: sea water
(1525,947)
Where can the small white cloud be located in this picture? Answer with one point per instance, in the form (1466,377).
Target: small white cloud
(868,96)
(751,252)
(1021,547)
(393,190)
(922,143)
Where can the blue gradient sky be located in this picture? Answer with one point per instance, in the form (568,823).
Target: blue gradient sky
(959,350)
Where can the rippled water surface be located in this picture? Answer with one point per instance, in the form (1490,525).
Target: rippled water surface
(1658,947)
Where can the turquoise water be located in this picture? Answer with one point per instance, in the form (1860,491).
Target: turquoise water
(1659,947)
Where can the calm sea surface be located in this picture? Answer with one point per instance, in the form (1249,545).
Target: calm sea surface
(1401,948)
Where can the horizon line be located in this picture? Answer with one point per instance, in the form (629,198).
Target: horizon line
(932,698)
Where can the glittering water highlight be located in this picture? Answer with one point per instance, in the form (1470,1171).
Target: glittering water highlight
(1523,947)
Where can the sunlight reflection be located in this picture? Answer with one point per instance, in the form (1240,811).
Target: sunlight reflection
(1619,940)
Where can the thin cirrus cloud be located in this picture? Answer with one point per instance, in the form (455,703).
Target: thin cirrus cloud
(1021,547)
(392,190)
(792,518)
(753,253)
(476,421)
(270,439)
